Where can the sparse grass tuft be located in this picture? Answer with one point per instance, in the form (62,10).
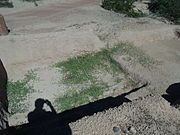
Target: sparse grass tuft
(34,1)
(17,92)
(135,53)
(30,0)
(79,69)
(71,100)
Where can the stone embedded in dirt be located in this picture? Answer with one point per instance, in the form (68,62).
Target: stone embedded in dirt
(3,27)
(116,130)
(132,130)
(177,32)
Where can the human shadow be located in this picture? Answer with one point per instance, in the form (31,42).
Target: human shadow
(48,120)
(173,94)
(57,124)
(39,115)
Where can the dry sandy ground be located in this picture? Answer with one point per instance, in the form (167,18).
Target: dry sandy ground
(41,36)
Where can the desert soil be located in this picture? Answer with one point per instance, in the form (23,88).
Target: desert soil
(41,36)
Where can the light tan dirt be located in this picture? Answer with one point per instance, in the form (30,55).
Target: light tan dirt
(41,36)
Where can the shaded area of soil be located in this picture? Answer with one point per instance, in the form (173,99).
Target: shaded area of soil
(173,94)
(59,124)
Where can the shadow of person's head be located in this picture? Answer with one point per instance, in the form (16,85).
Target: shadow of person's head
(46,122)
(39,114)
(39,103)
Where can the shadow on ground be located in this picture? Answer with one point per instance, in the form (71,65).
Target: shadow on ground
(173,94)
(51,123)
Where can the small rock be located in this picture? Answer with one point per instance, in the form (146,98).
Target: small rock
(177,32)
(116,130)
(132,130)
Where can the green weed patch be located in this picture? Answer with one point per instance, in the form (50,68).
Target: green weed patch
(18,91)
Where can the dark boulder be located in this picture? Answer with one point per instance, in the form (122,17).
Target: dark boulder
(3,97)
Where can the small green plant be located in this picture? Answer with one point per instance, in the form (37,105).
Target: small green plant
(74,99)
(30,0)
(34,1)
(122,6)
(166,8)
(18,91)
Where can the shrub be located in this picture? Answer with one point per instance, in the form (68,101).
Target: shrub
(166,8)
(6,3)
(30,0)
(34,1)
(122,6)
